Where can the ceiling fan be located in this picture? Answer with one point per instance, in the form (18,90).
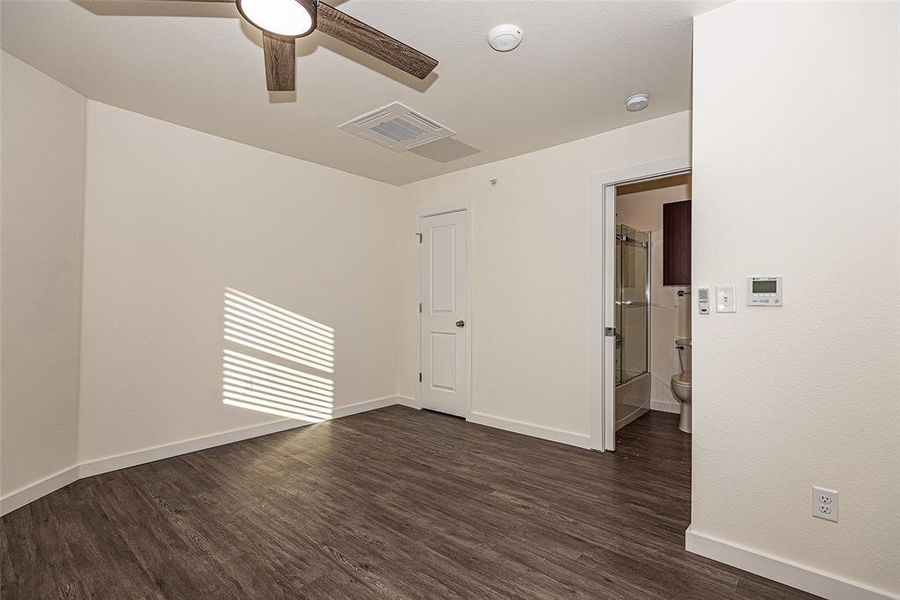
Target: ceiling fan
(283,21)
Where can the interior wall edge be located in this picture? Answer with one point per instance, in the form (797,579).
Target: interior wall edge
(42,251)
(34,491)
(323,167)
(776,568)
(409,401)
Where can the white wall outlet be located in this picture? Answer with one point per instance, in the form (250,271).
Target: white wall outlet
(725,299)
(825,504)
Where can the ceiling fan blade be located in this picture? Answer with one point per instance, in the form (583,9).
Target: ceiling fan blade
(342,26)
(281,62)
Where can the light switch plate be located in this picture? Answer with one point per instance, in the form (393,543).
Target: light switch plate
(725,299)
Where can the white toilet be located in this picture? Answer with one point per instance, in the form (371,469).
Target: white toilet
(681,385)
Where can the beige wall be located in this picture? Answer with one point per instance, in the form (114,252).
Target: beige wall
(173,217)
(670,315)
(795,174)
(42,209)
(531,272)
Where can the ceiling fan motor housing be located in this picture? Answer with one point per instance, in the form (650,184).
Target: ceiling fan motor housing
(284,18)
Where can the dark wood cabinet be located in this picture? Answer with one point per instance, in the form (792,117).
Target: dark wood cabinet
(677,243)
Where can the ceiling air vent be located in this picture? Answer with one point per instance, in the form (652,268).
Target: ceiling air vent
(397,127)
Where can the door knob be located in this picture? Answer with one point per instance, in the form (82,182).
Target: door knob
(460,323)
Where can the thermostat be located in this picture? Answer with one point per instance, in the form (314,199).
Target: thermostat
(764,291)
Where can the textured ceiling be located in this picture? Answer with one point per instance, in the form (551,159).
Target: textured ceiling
(199,65)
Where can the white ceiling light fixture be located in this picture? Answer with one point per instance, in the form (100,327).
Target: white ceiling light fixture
(504,38)
(636,102)
(288,18)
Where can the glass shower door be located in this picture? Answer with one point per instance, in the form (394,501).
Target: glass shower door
(632,303)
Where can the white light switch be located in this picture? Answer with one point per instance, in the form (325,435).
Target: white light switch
(725,300)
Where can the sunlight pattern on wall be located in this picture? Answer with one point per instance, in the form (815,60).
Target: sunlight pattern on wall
(265,386)
(268,328)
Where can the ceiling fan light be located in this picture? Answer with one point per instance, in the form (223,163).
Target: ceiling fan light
(289,18)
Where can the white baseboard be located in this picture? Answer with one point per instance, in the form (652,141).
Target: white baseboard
(779,569)
(367,405)
(146,455)
(408,401)
(663,406)
(30,493)
(581,440)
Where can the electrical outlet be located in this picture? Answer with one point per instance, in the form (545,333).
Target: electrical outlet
(825,504)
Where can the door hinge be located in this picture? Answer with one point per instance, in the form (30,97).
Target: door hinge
(610,332)
(420,237)
(420,307)
(420,378)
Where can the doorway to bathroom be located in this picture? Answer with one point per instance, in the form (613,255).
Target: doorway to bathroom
(641,303)
(652,310)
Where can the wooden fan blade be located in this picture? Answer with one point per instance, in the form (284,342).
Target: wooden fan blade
(342,26)
(281,62)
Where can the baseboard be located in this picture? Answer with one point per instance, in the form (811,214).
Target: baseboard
(781,570)
(25,495)
(409,401)
(30,493)
(663,406)
(367,405)
(633,416)
(147,455)
(546,433)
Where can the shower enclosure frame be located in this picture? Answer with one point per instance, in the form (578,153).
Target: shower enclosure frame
(632,314)
(621,305)
(602,284)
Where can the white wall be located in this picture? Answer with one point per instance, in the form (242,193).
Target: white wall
(795,174)
(172,218)
(42,211)
(670,315)
(531,273)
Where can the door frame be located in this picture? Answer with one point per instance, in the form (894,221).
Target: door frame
(603,249)
(468,208)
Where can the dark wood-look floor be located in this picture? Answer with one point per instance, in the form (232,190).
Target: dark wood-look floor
(394,503)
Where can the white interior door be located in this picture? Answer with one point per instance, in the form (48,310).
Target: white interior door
(444,328)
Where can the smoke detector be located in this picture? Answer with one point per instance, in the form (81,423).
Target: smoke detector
(504,38)
(636,102)
(398,127)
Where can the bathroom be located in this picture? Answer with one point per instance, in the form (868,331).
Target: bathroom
(652,304)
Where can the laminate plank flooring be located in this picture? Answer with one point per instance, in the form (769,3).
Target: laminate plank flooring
(394,503)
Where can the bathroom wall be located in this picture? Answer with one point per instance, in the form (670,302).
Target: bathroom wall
(670,315)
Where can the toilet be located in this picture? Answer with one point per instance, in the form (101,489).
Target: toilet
(681,384)
(681,388)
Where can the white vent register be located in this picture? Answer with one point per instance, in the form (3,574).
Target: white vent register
(397,127)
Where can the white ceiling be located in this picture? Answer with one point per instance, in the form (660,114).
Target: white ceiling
(199,65)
